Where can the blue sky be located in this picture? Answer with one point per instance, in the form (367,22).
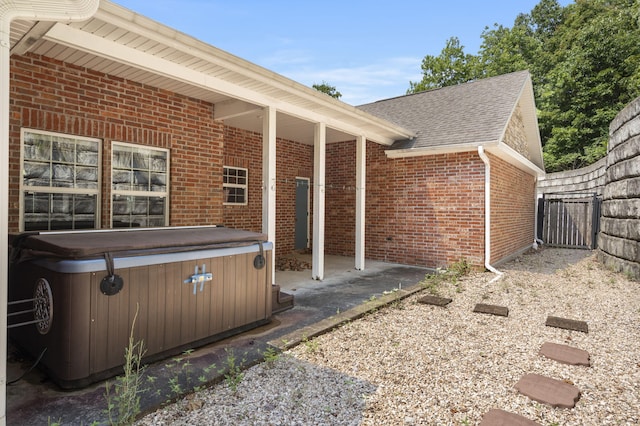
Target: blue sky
(369,50)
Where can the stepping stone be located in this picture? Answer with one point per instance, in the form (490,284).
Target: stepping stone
(565,354)
(548,391)
(495,417)
(502,311)
(567,324)
(435,300)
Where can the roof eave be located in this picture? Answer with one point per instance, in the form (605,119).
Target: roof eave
(437,150)
(505,152)
(377,129)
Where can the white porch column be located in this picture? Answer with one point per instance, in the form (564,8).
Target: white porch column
(269,180)
(319,163)
(361,181)
(42,10)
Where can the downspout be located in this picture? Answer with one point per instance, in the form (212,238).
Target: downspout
(487,214)
(41,10)
(536,242)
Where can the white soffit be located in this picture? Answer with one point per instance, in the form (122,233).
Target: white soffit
(119,42)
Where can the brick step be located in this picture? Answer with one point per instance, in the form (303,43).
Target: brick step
(496,417)
(565,354)
(280,301)
(548,391)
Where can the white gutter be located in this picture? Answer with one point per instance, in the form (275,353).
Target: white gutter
(487,214)
(40,10)
(433,150)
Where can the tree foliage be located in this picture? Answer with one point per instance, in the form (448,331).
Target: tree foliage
(585,64)
(451,67)
(327,89)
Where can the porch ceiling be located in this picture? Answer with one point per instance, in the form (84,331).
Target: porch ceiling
(121,43)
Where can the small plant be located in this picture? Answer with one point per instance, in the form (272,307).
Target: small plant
(397,301)
(271,355)
(233,372)
(124,405)
(460,268)
(312,345)
(434,282)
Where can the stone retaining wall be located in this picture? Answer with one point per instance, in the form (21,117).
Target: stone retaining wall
(590,179)
(619,238)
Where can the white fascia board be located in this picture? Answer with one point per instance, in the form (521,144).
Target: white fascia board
(89,43)
(436,150)
(512,156)
(138,24)
(98,46)
(497,148)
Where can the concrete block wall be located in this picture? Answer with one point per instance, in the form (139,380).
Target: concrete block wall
(54,96)
(619,238)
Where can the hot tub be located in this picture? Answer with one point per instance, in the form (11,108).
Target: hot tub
(191,286)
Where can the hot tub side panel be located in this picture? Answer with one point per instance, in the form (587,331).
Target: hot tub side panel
(65,345)
(90,330)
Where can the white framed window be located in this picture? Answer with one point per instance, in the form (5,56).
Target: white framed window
(139,186)
(60,182)
(234,185)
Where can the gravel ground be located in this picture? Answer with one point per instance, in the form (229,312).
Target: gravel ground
(416,364)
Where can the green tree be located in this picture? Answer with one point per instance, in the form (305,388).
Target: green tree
(328,89)
(451,67)
(585,64)
(595,73)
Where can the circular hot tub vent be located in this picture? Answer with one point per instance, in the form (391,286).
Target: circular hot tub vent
(43,306)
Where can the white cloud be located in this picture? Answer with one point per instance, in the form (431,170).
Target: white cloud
(361,84)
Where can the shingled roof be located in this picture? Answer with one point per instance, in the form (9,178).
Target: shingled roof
(466,115)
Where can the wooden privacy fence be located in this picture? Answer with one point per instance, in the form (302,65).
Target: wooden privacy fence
(569,220)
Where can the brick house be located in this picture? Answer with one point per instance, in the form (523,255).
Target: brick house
(119,121)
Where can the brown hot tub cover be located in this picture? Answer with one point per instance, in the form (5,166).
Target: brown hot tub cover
(88,244)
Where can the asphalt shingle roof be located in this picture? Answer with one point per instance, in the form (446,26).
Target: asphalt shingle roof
(468,113)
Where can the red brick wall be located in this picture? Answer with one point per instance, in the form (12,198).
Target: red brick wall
(293,159)
(426,210)
(512,209)
(244,149)
(53,96)
(340,199)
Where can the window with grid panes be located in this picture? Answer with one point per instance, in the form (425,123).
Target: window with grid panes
(60,181)
(139,186)
(235,180)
